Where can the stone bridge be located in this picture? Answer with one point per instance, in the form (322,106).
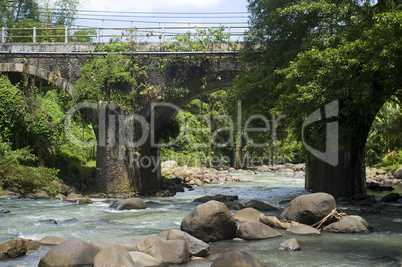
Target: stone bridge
(59,63)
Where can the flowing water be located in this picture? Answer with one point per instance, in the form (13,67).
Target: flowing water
(383,247)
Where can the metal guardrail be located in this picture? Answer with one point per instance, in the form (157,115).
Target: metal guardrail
(125,33)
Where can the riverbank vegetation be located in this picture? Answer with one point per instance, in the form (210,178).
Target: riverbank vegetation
(301,66)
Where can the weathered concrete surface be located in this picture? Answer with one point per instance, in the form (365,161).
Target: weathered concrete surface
(117,171)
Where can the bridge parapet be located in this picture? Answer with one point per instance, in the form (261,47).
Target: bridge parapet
(89,47)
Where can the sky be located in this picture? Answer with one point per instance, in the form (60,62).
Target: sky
(167,5)
(176,6)
(158,13)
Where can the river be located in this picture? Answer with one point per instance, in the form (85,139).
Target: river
(382,247)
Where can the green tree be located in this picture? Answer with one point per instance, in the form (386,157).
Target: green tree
(315,52)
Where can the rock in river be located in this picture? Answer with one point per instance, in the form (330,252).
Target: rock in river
(309,209)
(256,230)
(238,259)
(72,252)
(13,248)
(211,221)
(349,224)
(129,204)
(114,255)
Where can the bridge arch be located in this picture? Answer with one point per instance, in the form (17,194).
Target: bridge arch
(52,77)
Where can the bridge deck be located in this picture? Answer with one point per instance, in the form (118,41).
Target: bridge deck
(205,54)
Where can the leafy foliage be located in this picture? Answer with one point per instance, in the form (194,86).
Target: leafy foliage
(14,174)
(314,52)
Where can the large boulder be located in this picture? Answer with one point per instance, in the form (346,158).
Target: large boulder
(256,230)
(302,229)
(169,251)
(349,224)
(238,259)
(195,246)
(100,244)
(61,187)
(144,260)
(51,240)
(211,221)
(247,215)
(309,209)
(72,252)
(398,174)
(232,205)
(114,255)
(258,205)
(41,194)
(129,204)
(13,248)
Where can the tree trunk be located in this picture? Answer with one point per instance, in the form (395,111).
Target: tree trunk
(348,177)
(120,168)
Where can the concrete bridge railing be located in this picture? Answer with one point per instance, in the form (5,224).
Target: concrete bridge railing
(97,34)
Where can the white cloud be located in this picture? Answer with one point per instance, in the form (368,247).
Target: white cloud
(150,5)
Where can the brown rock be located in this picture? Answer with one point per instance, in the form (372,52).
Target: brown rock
(13,248)
(71,252)
(51,240)
(247,215)
(302,229)
(114,255)
(169,251)
(238,259)
(256,230)
(309,209)
(211,221)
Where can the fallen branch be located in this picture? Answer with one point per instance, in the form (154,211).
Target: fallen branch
(333,215)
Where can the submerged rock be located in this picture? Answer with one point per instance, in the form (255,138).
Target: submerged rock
(48,221)
(129,204)
(256,230)
(302,230)
(211,221)
(290,245)
(238,259)
(309,209)
(393,197)
(71,252)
